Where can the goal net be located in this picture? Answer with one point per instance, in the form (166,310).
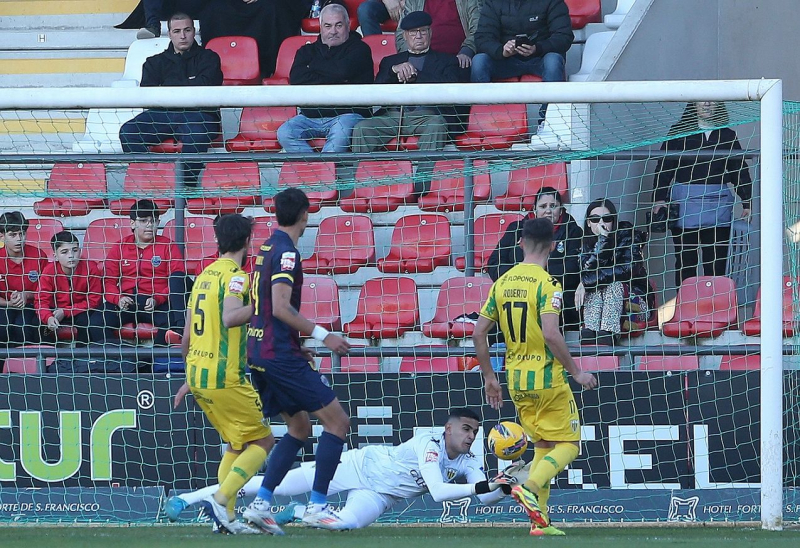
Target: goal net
(685,323)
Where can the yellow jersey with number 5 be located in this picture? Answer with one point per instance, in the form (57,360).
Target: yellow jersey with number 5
(517,301)
(217,354)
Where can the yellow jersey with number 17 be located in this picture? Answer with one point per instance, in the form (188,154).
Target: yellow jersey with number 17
(217,354)
(517,301)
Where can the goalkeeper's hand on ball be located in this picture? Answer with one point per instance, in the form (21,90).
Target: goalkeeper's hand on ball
(504,480)
(519,470)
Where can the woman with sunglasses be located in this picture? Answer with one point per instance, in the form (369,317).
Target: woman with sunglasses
(610,259)
(563,262)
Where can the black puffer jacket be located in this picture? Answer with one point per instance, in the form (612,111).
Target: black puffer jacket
(196,67)
(614,258)
(546,22)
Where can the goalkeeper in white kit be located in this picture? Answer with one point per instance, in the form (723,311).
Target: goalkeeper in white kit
(377,476)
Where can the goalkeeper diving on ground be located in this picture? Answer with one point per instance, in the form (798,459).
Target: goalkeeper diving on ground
(378,476)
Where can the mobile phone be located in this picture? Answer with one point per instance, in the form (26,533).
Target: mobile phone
(521,40)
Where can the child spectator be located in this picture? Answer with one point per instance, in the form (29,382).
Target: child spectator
(145,280)
(70,288)
(20,267)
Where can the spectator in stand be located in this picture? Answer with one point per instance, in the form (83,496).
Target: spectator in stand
(183,63)
(70,289)
(453,27)
(563,263)
(21,266)
(516,38)
(148,14)
(699,188)
(374,12)
(336,57)
(145,280)
(419,65)
(612,267)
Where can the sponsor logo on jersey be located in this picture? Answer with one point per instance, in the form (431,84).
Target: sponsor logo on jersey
(556,301)
(431,456)
(33,276)
(156,260)
(288,260)
(236,285)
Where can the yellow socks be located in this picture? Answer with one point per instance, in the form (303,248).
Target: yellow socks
(543,492)
(223,470)
(244,467)
(550,465)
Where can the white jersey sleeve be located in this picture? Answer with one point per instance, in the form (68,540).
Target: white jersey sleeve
(430,461)
(474,475)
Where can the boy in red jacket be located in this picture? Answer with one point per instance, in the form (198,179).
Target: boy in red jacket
(139,271)
(20,267)
(70,289)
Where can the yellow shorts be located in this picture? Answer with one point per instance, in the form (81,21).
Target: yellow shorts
(235,412)
(549,414)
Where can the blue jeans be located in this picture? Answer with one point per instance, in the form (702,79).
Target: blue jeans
(294,133)
(550,67)
(370,16)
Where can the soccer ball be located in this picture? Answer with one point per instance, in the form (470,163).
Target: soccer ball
(508,441)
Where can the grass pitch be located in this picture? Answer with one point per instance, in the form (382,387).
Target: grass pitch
(396,537)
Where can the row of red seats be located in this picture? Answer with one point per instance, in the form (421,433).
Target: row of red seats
(232,187)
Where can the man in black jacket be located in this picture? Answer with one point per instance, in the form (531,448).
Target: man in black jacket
(183,63)
(337,57)
(418,65)
(518,37)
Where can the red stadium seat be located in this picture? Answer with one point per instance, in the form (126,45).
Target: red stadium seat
(234,185)
(368,198)
(263,227)
(597,363)
(740,363)
(84,184)
(523,78)
(258,129)
(321,302)
(705,307)
(457,298)
(752,327)
(151,181)
(307,174)
(446,192)
(239,58)
(387,307)
(488,231)
(494,127)
(100,234)
(583,12)
(138,332)
(172,146)
(382,45)
(668,363)
(415,364)
(352,364)
(523,184)
(283,64)
(199,239)
(39,233)
(27,365)
(344,244)
(420,243)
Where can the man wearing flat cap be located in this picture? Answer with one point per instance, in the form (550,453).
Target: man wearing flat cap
(418,65)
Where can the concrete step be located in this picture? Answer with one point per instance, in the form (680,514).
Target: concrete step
(66,40)
(34,14)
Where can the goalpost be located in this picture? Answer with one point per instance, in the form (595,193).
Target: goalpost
(575,117)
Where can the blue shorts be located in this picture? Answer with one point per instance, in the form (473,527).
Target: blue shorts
(290,387)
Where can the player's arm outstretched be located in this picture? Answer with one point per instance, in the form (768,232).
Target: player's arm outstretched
(478,484)
(283,310)
(558,346)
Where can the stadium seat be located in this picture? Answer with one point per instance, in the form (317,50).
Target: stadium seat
(705,307)
(368,198)
(524,183)
(352,364)
(592,51)
(234,186)
(458,298)
(27,365)
(420,243)
(84,186)
(583,12)
(138,332)
(382,45)
(258,129)
(308,174)
(39,233)
(320,302)
(614,20)
(668,363)
(283,64)
(344,244)
(100,234)
(488,231)
(199,239)
(523,78)
(740,363)
(597,363)
(239,58)
(263,228)
(752,327)
(387,307)
(146,181)
(494,127)
(173,146)
(415,364)
(446,192)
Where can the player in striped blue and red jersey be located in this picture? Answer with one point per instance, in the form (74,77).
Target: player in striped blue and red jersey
(282,371)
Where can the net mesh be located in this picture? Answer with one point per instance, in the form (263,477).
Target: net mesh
(399,259)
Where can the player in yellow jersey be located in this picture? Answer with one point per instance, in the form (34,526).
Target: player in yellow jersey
(214,346)
(526,302)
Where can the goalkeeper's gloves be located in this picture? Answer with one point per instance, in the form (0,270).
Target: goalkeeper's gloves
(500,481)
(519,470)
